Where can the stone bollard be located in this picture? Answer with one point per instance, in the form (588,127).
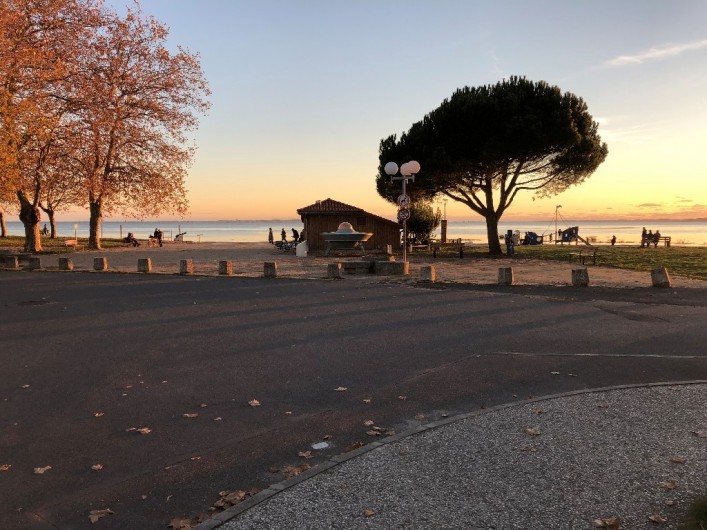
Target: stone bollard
(505,276)
(65,264)
(580,277)
(100,264)
(34,264)
(186,266)
(225,268)
(144,265)
(270,269)
(661,278)
(334,271)
(428,274)
(12,262)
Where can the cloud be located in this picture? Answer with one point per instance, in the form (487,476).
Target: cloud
(650,205)
(669,50)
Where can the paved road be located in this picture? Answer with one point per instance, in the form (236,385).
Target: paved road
(146,350)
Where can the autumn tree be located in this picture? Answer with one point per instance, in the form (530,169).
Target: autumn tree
(39,42)
(137,101)
(484,145)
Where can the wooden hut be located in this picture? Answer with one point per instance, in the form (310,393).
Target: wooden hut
(327,215)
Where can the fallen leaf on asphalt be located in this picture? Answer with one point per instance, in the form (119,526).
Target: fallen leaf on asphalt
(402,398)
(218,418)
(678,460)
(373,433)
(128,386)
(419,417)
(532,431)
(98,414)
(293,471)
(25,386)
(273,470)
(5,467)
(203,405)
(603,405)
(254,403)
(189,415)
(305,454)
(369,513)
(97,467)
(326,437)
(670,502)
(367,400)
(41,470)
(658,518)
(180,524)
(95,515)
(445,415)
(538,411)
(667,484)
(555,373)
(700,434)
(610,523)
(528,449)
(144,430)
(353,447)
(288,413)
(341,389)
(572,375)
(368,423)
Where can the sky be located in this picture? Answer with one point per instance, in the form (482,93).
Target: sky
(303,92)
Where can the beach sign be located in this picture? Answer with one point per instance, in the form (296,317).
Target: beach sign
(403,201)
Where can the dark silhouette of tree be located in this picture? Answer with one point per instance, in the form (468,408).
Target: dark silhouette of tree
(484,145)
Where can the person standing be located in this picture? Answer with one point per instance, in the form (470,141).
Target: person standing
(643,237)
(283,235)
(613,240)
(295,235)
(271,240)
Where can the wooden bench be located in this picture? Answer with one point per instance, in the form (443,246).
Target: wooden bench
(456,244)
(583,255)
(73,243)
(646,241)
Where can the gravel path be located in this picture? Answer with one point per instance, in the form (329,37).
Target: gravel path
(627,452)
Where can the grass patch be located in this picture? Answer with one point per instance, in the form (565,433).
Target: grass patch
(55,246)
(690,262)
(696,518)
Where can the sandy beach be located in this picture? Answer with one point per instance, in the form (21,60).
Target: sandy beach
(248,259)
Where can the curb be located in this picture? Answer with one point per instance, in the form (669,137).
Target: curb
(274,489)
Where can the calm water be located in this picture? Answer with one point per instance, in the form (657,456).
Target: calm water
(682,232)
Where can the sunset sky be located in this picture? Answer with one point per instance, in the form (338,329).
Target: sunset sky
(303,91)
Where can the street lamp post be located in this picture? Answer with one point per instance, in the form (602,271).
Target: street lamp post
(407,172)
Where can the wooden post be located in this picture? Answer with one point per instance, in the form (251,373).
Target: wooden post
(428,274)
(661,278)
(65,264)
(505,276)
(334,271)
(270,269)
(580,277)
(144,265)
(186,266)
(100,264)
(225,268)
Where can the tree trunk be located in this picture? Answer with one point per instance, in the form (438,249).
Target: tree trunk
(3,227)
(30,215)
(492,234)
(94,236)
(52,224)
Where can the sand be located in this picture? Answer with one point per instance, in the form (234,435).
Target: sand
(248,259)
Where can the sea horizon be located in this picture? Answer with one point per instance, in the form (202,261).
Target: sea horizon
(683,232)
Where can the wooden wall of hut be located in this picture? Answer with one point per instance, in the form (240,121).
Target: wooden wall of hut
(385,232)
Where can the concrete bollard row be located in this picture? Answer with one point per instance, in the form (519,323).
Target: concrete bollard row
(428,274)
(661,278)
(65,264)
(580,277)
(34,264)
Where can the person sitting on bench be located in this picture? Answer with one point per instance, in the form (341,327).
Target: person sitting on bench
(158,235)
(130,238)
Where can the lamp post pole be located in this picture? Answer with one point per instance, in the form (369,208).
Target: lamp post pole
(407,172)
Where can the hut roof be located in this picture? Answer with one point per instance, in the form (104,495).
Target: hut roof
(332,207)
(329,206)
